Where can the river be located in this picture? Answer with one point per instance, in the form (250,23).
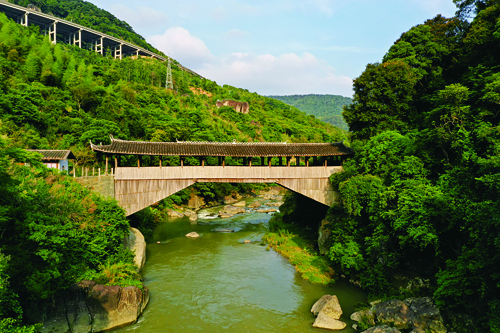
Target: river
(219,283)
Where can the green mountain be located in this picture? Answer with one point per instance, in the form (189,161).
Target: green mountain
(327,108)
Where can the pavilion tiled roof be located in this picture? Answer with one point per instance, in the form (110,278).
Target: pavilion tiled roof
(54,154)
(236,149)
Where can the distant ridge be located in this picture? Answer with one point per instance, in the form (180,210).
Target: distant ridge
(327,108)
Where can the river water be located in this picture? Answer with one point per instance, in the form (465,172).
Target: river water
(219,283)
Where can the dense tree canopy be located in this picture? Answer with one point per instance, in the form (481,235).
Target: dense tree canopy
(420,198)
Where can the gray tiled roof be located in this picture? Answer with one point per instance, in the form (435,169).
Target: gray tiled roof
(54,154)
(237,149)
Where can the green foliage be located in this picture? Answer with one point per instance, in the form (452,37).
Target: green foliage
(300,252)
(420,197)
(52,232)
(327,108)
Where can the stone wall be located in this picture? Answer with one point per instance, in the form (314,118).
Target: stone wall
(105,185)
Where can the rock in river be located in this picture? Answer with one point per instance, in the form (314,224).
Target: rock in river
(192,235)
(329,311)
(232,210)
(173,213)
(191,214)
(255,204)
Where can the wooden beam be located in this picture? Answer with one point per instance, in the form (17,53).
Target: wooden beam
(106,165)
(297,160)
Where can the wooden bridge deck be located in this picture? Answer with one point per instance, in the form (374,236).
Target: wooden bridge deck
(137,188)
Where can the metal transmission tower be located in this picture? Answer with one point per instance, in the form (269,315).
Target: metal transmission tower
(169,84)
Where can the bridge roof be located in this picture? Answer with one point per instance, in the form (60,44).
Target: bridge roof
(236,149)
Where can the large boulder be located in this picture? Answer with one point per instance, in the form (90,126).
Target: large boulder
(382,329)
(173,213)
(255,204)
(266,210)
(136,243)
(394,313)
(367,316)
(320,304)
(427,315)
(192,234)
(329,311)
(416,314)
(240,204)
(229,200)
(232,210)
(89,307)
(191,214)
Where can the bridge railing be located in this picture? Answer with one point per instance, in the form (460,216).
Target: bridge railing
(227,172)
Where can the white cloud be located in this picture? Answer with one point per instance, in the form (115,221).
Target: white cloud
(278,75)
(190,51)
(265,74)
(140,17)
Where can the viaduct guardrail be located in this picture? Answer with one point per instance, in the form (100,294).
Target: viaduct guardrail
(75,34)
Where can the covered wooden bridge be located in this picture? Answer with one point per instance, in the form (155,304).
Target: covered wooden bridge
(300,167)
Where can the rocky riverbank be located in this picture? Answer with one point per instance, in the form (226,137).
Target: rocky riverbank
(233,204)
(89,307)
(416,315)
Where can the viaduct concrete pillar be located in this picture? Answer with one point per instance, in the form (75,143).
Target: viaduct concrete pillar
(53,32)
(118,52)
(23,19)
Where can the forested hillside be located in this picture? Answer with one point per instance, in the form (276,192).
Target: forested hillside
(420,197)
(59,96)
(327,108)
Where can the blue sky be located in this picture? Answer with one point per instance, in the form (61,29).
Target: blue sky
(276,47)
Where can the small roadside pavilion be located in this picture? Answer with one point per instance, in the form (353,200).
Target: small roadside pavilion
(56,159)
